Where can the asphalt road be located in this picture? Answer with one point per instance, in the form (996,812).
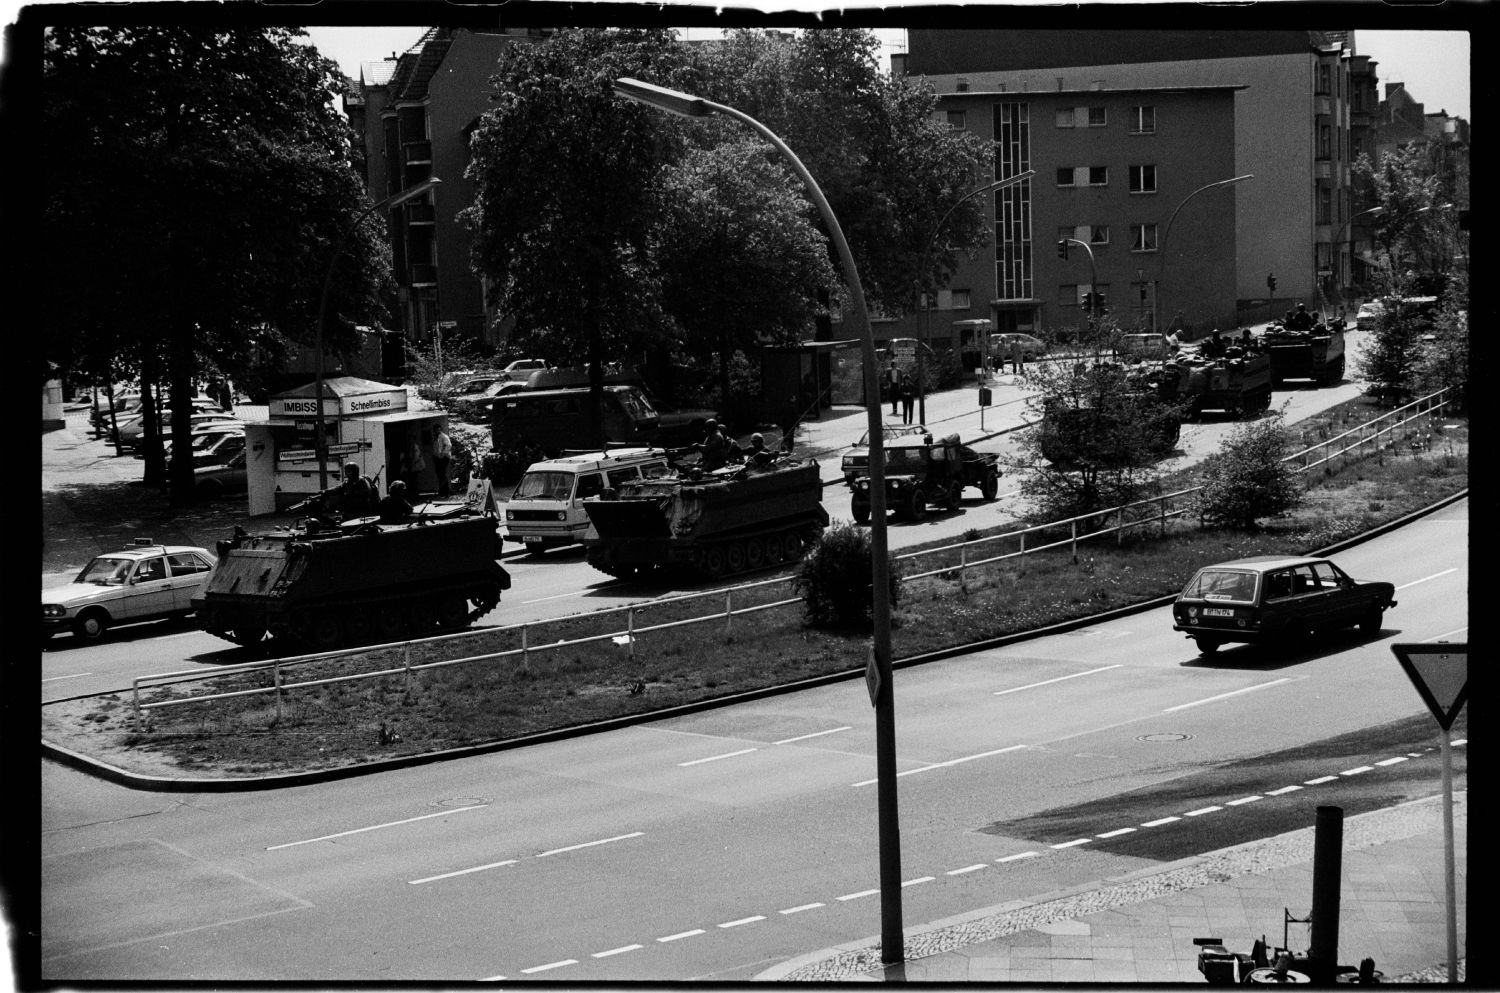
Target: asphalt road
(710,846)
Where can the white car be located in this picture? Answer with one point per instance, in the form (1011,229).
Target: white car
(143,583)
(521,368)
(1368,314)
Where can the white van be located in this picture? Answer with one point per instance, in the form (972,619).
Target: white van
(546,509)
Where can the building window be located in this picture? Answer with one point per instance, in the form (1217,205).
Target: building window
(1143,237)
(1098,117)
(1325,141)
(961,300)
(1099,234)
(956,121)
(1098,175)
(1065,117)
(1143,179)
(1325,78)
(1142,120)
(1325,204)
(1090,234)
(1013,232)
(1065,176)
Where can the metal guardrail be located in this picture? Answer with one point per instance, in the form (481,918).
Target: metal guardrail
(1132,515)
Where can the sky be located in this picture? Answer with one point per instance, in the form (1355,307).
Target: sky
(1434,65)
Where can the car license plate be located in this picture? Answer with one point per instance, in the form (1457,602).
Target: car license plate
(530,538)
(1217,612)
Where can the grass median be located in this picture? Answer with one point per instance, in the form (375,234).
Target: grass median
(480,686)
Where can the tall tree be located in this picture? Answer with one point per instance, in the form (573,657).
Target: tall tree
(198,180)
(564,195)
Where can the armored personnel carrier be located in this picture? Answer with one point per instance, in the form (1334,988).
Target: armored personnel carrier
(1317,354)
(326,583)
(712,524)
(1237,382)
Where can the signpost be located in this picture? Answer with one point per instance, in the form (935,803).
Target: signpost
(1440,672)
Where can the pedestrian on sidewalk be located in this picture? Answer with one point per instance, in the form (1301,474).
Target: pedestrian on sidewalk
(1017,357)
(893,379)
(908,399)
(442,451)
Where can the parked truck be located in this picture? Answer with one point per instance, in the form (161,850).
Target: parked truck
(712,524)
(324,583)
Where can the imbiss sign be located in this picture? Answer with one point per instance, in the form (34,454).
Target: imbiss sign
(350,406)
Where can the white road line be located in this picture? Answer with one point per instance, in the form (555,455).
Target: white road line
(1020,855)
(76,675)
(591,844)
(1160,821)
(1226,696)
(1424,579)
(1115,833)
(462,872)
(1393,761)
(680,935)
(616,951)
(1077,841)
(856,896)
(1059,679)
(1284,789)
(1459,741)
(1445,635)
(556,596)
(1202,810)
(715,758)
(798,910)
(1243,799)
(944,765)
(967,868)
(815,734)
(743,920)
(919,879)
(1356,770)
(493,979)
(1320,779)
(377,827)
(549,965)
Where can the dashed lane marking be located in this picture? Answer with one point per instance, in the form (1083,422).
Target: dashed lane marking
(855,896)
(1319,780)
(591,844)
(549,965)
(1356,770)
(462,872)
(1116,832)
(1283,790)
(1075,841)
(798,910)
(1160,821)
(1202,810)
(967,868)
(919,879)
(815,734)
(1019,855)
(680,935)
(947,764)
(743,920)
(1226,696)
(1392,761)
(377,827)
(1424,579)
(1047,682)
(1242,800)
(715,758)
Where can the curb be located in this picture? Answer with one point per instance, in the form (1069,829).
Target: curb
(872,943)
(185,784)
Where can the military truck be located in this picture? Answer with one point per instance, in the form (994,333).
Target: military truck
(919,471)
(711,524)
(1317,354)
(324,583)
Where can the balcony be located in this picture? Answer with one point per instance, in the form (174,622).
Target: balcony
(418,152)
(423,274)
(1322,104)
(1322,169)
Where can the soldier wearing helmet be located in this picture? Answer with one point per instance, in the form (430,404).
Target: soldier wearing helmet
(714,447)
(355,495)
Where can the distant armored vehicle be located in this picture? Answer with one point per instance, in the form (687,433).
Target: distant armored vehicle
(327,583)
(1237,382)
(1317,354)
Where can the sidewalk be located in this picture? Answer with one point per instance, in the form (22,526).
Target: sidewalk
(1139,928)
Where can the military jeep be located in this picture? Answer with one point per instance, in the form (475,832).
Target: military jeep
(919,471)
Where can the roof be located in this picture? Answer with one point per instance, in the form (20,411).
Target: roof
(1265,563)
(142,551)
(339,386)
(589,458)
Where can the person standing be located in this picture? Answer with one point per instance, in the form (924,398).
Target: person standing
(415,462)
(908,398)
(442,451)
(1017,356)
(893,377)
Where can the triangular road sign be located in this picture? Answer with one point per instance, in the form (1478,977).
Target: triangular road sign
(1440,672)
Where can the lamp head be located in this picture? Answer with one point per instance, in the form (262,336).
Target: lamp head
(672,101)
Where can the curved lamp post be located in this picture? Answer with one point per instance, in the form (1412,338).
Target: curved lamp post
(879,676)
(1162,262)
(320,441)
(922,267)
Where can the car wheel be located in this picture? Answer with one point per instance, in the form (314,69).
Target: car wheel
(916,504)
(990,488)
(1370,622)
(1208,645)
(861,512)
(91,625)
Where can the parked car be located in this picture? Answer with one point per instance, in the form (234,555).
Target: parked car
(1276,599)
(214,444)
(1032,347)
(130,433)
(222,477)
(919,471)
(1144,347)
(475,385)
(857,459)
(143,583)
(1368,315)
(521,368)
(476,408)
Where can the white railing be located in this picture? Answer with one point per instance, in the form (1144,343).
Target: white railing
(1380,430)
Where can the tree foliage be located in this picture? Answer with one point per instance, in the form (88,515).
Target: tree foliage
(1248,478)
(836,578)
(197,180)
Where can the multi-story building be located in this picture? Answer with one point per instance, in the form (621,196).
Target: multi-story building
(1290,124)
(414,113)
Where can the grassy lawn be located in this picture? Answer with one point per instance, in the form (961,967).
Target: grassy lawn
(505,698)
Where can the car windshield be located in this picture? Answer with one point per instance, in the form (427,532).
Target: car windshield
(1222,584)
(544,486)
(105,571)
(905,458)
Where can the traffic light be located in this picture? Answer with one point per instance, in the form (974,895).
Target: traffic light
(1062,248)
(1271,283)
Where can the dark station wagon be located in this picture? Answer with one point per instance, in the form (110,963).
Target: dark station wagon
(1276,598)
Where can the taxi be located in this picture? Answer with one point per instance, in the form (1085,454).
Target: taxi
(143,583)
(1273,598)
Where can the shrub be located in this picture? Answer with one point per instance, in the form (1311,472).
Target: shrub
(834,578)
(1247,479)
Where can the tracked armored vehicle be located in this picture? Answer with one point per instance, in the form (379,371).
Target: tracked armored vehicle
(325,584)
(711,524)
(1237,382)
(1317,354)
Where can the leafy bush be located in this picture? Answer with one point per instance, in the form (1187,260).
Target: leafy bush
(834,579)
(1247,479)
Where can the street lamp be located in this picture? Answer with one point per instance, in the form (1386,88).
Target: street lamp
(881,693)
(921,268)
(1162,261)
(320,442)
